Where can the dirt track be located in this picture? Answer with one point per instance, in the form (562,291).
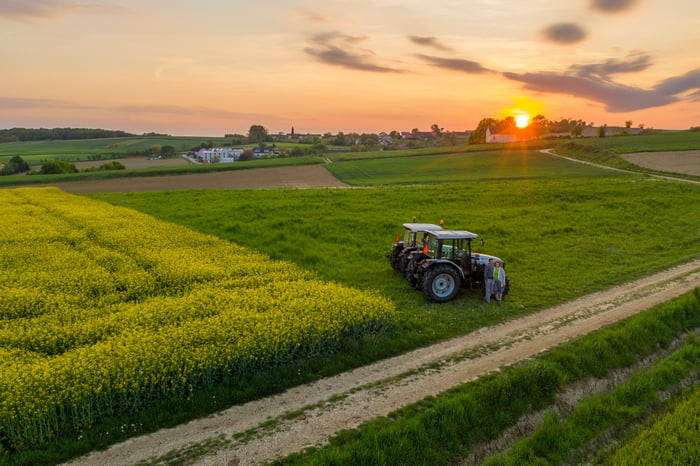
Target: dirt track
(346,400)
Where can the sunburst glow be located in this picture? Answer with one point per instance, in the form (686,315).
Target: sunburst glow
(522,120)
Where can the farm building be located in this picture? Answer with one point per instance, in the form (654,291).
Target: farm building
(496,135)
(219,155)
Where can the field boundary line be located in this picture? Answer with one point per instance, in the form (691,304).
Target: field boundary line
(572,159)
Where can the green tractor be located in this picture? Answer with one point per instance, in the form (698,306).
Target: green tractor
(447,264)
(414,237)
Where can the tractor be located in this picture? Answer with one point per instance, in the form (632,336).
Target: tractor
(413,240)
(446,264)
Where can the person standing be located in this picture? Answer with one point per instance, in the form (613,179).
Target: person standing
(499,281)
(488,280)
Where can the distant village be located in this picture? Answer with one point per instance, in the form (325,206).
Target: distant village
(489,131)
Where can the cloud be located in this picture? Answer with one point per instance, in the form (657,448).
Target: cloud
(338,49)
(312,15)
(184,110)
(29,103)
(30,10)
(429,42)
(19,103)
(594,82)
(616,97)
(612,6)
(680,84)
(640,62)
(564,33)
(455,64)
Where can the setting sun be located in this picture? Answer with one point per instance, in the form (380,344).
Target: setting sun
(522,120)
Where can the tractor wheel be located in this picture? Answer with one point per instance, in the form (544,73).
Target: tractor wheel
(394,258)
(441,283)
(411,269)
(402,261)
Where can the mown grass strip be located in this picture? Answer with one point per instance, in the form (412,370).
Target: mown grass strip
(557,439)
(441,429)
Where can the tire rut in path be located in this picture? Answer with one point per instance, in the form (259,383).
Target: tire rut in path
(346,400)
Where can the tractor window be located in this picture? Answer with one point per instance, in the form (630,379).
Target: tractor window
(409,239)
(433,246)
(461,248)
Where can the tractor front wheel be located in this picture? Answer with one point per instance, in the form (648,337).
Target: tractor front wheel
(441,283)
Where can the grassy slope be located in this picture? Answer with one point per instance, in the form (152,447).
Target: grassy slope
(560,237)
(511,163)
(607,151)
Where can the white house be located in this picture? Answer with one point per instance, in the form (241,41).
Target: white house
(219,154)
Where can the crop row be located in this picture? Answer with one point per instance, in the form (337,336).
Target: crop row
(104,310)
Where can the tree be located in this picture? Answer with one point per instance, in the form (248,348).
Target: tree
(247,154)
(436,130)
(628,124)
(57,166)
(478,136)
(447,139)
(257,133)
(15,165)
(319,148)
(577,131)
(601,131)
(168,152)
(339,140)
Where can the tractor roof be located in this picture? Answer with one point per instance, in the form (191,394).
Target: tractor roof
(453,234)
(414,227)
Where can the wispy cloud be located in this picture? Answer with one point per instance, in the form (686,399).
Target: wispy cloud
(432,42)
(594,82)
(564,33)
(31,10)
(312,16)
(20,103)
(639,62)
(338,49)
(612,6)
(168,109)
(616,97)
(455,64)
(680,84)
(31,103)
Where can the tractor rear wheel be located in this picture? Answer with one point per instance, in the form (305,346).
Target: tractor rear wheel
(441,283)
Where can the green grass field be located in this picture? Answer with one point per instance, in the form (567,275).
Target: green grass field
(34,152)
(560,237)
(459,167)
(563,229)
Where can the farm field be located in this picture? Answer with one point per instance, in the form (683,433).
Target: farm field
(138,311)
(676,161)
(545,223)
(302,176)
(458,167)
(33,152)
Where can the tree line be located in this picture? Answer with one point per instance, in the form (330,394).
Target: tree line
(43,134)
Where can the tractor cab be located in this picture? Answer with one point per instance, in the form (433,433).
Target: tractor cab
(413,240)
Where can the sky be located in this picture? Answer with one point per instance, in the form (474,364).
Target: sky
(211,67)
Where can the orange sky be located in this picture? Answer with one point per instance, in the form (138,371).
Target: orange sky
(215,67)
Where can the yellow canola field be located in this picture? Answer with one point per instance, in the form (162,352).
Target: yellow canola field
(105,310)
